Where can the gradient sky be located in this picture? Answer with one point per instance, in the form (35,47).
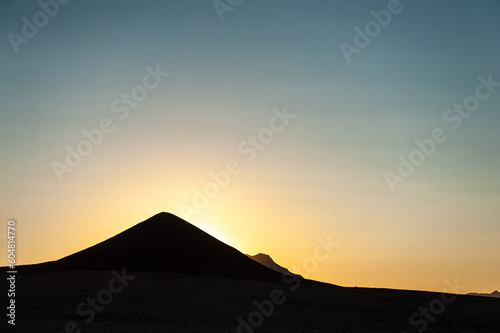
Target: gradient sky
(322,175)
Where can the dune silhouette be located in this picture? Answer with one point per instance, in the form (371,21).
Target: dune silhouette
(164,243)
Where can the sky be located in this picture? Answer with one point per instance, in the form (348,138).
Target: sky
(274,126)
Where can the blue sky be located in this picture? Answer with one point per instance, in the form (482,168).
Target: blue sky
(324,174)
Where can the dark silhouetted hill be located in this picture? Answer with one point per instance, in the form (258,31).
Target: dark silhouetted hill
(163,243)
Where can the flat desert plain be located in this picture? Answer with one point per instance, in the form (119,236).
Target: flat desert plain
(167,302)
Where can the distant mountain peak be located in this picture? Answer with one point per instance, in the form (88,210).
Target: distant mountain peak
(267,261)
(493,294)
(263,256)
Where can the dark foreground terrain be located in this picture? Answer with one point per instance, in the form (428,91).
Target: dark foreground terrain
(167,302)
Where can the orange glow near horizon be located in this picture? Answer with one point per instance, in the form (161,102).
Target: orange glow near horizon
(280,223)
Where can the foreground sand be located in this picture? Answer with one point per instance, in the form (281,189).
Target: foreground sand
(163,302)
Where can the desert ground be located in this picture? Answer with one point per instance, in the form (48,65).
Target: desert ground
(167,302)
